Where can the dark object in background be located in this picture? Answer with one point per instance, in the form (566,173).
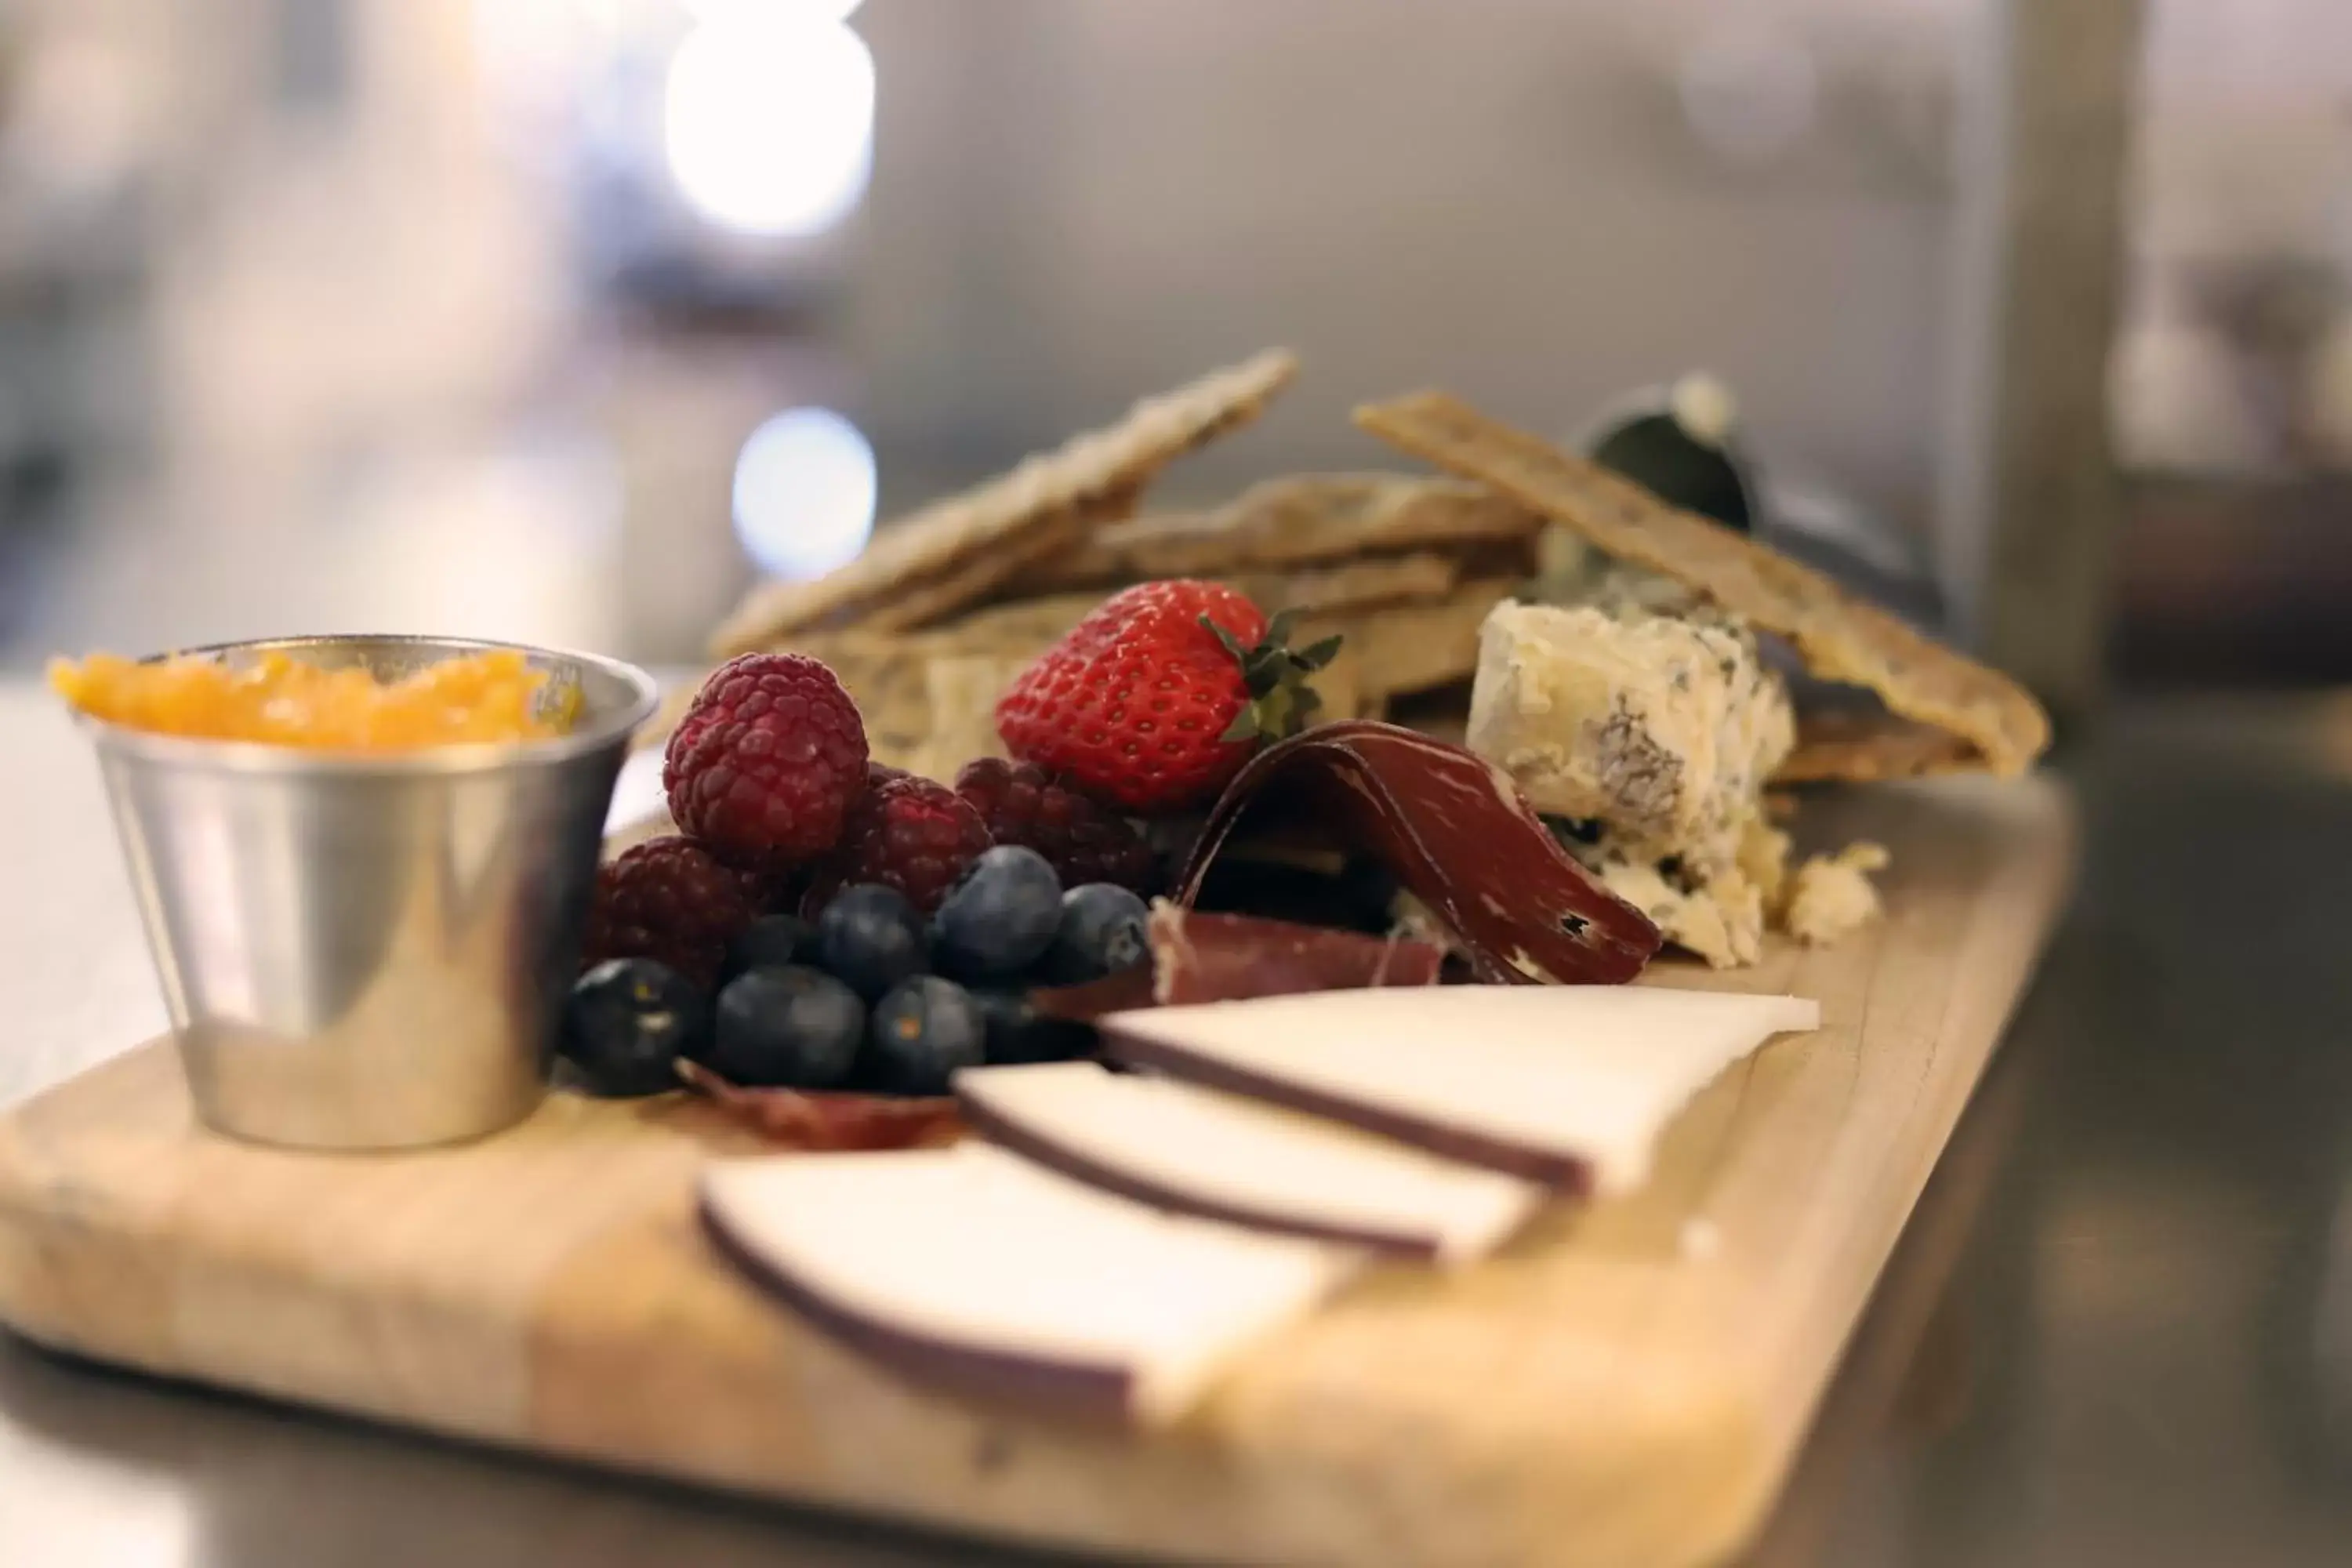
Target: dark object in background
(1684,442)
(1697,470)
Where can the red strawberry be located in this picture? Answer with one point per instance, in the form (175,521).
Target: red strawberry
(1160,695)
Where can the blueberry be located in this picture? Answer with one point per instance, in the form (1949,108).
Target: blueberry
(1017,1032)
(870,938)
(1101,932)
(791,1028)
(924,1029)
(627,1021)
(772,941)
(1000,918)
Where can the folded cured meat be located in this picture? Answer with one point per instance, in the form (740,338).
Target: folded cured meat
(1455,830)
(978,1272)
(1567,1085)
(1178,1146)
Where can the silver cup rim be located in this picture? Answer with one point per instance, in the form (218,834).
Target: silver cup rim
(473,756)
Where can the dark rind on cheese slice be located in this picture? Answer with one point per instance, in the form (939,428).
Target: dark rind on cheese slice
(1011,1134)
(1094,1392)
(1454,829)
(1562,1173)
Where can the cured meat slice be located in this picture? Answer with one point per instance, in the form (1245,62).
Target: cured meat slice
(826,1121)
(1219,1156)
(1201,957)
(976,1271)
(1455,830)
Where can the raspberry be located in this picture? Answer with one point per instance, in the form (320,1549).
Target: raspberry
(912,834)
(671,900)
(1083,839)
(768,760)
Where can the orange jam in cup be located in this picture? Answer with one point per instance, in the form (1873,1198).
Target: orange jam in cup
(281,700)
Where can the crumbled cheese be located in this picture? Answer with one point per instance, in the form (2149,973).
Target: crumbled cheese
(1763,859)
(1830,896)
(1719,919)
(1661,728)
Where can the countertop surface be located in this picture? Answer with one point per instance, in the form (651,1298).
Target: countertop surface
(2118,1331)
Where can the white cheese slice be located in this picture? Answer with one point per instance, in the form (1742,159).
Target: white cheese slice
(1569,1084)
(977,1270)
(1220,1156)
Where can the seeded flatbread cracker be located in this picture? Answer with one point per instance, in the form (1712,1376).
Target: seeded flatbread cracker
(1838,637)
(929,600)
(1339,685)
(1021,624)
(1412,647)
(1358,584)
(953,551)
(961,693)
(1302,520)
(1870,749)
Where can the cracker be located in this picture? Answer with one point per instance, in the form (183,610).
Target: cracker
(1339,685)
(886,679)
(966,544)
(926,601)
(1302,520)
(962,691)
(1870,749)
(1412,647)
(1358,584)
(1838,637)
(1023,624)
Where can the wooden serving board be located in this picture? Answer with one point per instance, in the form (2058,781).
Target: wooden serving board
(1627,1383)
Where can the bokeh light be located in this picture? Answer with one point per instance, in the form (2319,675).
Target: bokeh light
(812,10)
(768,120)
(804,491)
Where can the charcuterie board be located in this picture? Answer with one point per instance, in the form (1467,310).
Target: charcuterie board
(1627,1382)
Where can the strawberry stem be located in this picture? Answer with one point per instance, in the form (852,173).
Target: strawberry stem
(1274,674)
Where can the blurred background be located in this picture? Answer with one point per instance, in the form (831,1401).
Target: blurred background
(562,320)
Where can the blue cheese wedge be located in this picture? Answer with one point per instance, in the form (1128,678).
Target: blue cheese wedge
(1661,729)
